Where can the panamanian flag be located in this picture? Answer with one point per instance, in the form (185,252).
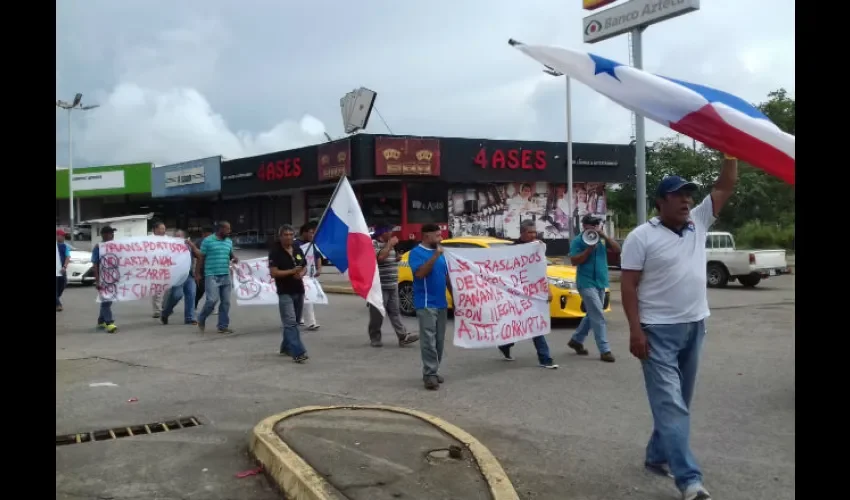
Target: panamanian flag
(715,118)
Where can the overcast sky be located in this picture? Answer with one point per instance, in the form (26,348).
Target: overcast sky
(195,78)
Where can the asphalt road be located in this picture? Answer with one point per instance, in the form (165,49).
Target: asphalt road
(573,433)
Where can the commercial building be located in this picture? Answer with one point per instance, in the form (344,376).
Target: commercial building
(104,191)
(185,194)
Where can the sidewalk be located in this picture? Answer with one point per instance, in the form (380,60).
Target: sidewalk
(336,453)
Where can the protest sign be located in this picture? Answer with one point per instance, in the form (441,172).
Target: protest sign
(500,294)
(141,266)
(254,286)
(58,262)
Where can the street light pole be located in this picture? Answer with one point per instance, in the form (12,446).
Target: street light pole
(640,133)
(569,194)
(69,107)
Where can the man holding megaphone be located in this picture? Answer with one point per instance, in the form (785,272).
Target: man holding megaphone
(588,252)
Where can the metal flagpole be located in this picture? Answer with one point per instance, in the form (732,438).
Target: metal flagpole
(640,134)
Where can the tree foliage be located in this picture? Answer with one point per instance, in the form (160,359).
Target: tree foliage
(759,197)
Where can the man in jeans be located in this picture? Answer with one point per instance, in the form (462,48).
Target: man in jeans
(64,260)
(528,234)
(158,297)
(591,263)
(214,265)
(430,281)
(384,244)
(104,317)
(186,291)
(288,266)
(664,297)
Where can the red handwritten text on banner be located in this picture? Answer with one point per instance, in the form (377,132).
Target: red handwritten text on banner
(500,294)
(141,266)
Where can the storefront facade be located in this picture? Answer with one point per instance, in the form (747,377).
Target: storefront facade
(185,194)
(104,191)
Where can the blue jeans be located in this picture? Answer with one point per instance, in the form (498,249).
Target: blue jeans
(540,344)
(290,307)
(175,293)
(61,281)
(670,374)
(105,314)
(593,300)
(432,336)
(217,288)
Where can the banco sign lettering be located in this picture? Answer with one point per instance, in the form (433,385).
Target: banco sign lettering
(635,13)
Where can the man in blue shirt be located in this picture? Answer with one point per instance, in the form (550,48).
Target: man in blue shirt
(430,280)
(591,262)
(104,318)
(214,265)
(185,291)
(64,259)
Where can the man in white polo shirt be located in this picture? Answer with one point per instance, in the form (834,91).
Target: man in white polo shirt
(664,297)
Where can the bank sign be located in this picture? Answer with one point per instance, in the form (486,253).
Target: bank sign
(632,14)
(92,182)
(186,178)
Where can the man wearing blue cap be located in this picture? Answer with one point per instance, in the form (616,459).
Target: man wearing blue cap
(664,297)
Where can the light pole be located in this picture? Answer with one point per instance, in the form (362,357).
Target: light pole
(551,71)
(76,104)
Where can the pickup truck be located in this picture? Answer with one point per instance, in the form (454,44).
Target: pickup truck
(748,267)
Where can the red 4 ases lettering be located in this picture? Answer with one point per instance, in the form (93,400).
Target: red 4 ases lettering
(289,168)
(525,159)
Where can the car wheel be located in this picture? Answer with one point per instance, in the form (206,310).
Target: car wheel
(750,280)
(717,275)
(405,299)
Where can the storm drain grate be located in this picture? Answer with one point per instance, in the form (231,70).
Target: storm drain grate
(133,430)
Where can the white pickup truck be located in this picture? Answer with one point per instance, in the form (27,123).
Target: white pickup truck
(748,267)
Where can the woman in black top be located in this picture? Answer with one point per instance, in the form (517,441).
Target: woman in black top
(287,267)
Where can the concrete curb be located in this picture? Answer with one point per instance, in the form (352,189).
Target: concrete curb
(299,481)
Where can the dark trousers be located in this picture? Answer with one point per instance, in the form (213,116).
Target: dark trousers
(200,291)
(61,281)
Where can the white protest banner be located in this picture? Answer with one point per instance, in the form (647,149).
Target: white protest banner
(58,262)
(500,294)
(254,286)
(141,266)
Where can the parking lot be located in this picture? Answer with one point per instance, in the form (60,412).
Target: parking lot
(577,432)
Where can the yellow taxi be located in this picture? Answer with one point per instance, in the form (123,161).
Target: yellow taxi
(566,302)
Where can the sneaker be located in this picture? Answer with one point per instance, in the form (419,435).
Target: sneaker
(156,315)
(301,359)
(607,357)
(58,308)
(315,326)
(376,343)
(507,355)
(659,470)
(440,379)
(224,330)
(111,328)
(550,365)
(201,327)
(193,323)
(163,320)
(101,326)
(696,492)
(408,339)
(432,383)
(578,348)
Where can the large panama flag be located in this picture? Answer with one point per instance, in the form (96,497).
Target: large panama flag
(343,237)
(717,119)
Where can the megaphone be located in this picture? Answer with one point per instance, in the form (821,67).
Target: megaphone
(590,238)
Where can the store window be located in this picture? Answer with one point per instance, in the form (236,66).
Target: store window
(381,202)
(426,204)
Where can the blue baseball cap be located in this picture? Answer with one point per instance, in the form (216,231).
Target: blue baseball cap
(673,183)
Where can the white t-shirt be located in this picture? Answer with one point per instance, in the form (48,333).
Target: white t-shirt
(672,287)
(310,257)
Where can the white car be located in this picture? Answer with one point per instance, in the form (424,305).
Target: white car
(80,267)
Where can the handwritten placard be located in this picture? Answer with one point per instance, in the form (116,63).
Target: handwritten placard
(254,286)
(141,266)
(500,294)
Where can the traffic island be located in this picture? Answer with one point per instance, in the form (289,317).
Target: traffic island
(375,453)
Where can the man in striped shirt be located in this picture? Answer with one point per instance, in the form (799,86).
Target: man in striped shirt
(384,244)
(214,265)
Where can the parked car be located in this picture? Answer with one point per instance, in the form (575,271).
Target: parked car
(748,267)
(566,302)
(82,232)
(80,268)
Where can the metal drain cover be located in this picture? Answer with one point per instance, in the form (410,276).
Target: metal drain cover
(130,431)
